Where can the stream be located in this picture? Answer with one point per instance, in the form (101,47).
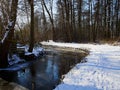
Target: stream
(45,73)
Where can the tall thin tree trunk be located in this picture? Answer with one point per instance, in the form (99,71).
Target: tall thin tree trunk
(32,27)
(79,18)
(67,23)
(109,19)
(105,18)
(117,9)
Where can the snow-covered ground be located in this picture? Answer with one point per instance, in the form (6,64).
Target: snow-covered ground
(16,59)
(100,72)
(36,50)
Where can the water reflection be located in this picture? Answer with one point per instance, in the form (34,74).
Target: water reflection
(44,73)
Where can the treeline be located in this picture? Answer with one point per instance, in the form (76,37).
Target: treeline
(66,20)
(88,20)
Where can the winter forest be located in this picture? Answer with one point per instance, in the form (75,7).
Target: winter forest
(64,20)
(60,44)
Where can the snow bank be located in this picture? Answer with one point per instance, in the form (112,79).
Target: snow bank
(16,59)
(36,50)
(101,72)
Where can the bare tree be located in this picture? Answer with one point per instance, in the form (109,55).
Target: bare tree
(9,34)
(50,13)
(31,2)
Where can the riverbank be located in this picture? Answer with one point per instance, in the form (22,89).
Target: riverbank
(5,85)
(17,64)
(65,50)
(100,72)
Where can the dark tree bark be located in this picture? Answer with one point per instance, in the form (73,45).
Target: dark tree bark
(32,26)
(105,17)
(67,20)
(109,19)
(117,9)
(96,21)
(75,38)
(79,18)
(6,41)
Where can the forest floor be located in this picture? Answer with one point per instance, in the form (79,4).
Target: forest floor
(100,72)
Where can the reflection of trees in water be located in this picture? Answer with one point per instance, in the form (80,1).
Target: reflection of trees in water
(46,72)
(68,61)
(33,74)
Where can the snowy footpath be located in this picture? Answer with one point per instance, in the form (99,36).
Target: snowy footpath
(100,72)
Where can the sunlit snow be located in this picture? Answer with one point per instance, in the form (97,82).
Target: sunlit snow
(100,72)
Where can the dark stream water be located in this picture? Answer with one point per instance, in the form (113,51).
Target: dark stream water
(44,73)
